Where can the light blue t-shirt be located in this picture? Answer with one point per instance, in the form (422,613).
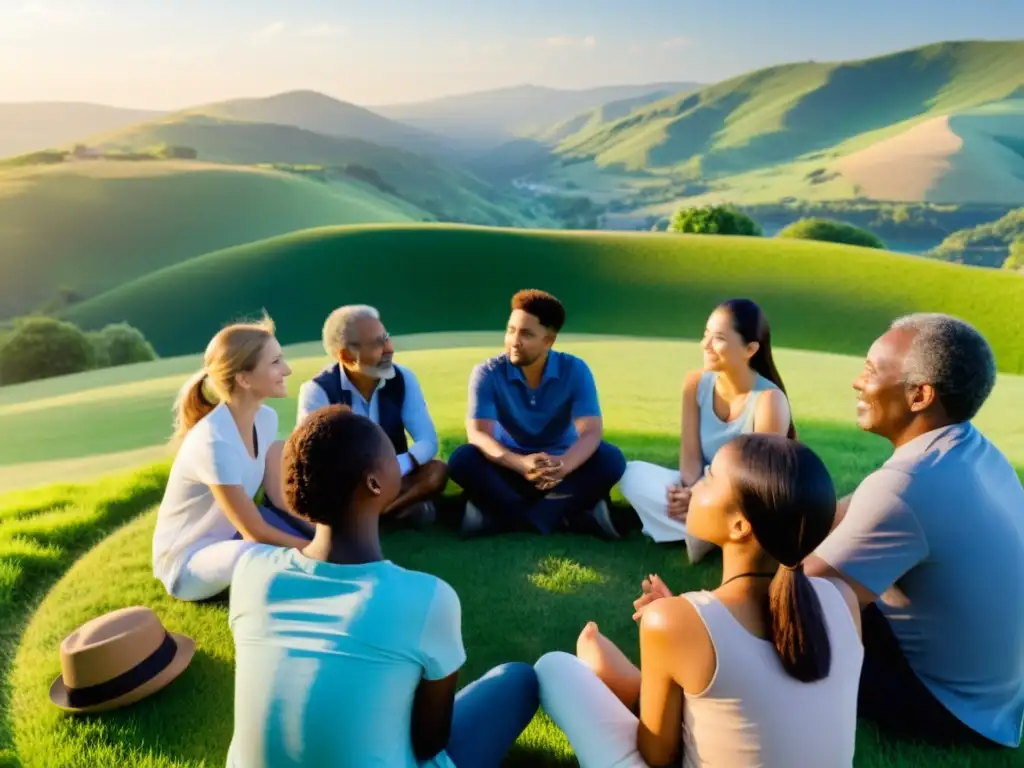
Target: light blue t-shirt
(328,659)
(938,533)
(534,420)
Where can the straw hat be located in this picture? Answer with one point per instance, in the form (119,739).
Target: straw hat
(117,659)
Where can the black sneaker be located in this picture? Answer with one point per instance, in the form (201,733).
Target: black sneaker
(417,516)
(598,521)
(474,522)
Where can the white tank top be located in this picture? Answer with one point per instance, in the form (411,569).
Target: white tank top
(754,715)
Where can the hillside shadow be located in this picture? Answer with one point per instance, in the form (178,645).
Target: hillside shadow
(857,98)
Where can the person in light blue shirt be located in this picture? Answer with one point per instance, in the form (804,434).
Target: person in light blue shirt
(365,378)
(344,658)
(535,456)
(932,542)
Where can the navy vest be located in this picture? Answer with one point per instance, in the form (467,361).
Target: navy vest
(389,402)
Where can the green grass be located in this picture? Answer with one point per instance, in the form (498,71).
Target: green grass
(550,585)
(121,220)
(818,296)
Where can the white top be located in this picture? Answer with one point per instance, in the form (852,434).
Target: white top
(212,453)
(754,714)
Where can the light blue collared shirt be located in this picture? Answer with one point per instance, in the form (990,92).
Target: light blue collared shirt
(415,415)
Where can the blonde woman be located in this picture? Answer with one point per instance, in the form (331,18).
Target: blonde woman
(227,451)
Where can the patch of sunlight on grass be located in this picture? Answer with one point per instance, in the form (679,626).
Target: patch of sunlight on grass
(563,576)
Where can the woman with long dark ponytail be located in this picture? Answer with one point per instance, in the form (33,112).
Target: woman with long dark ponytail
(764,670)
(738,391)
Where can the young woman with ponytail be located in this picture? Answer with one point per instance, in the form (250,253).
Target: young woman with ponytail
(738,391)
(227,450)
(764,670)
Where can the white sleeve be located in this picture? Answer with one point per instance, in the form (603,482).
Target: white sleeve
(441,646)
(311,398)
(215,461)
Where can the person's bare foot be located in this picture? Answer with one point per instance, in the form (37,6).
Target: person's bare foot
(609,664)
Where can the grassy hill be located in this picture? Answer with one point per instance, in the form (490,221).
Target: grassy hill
(31,126)
(95,225)
(820,130)
(443,189)
(651,284)
(488,118)
(322,114)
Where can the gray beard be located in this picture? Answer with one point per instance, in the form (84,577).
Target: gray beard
(380,372)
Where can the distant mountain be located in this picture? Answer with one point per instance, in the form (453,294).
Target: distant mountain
(489,118)
(445,190)
(32,126)
(317,112)
(939,123)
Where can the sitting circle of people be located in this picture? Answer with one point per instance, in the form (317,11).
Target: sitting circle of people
(899,603)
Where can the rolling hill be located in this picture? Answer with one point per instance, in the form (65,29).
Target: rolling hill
(316,112)
(444,190)
(92,225)
(939,123)
(32,126)
(485,119)
(650,284)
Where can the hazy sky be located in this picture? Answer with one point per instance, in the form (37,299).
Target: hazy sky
(174,53)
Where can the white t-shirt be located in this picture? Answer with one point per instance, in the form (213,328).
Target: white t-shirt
(212,453)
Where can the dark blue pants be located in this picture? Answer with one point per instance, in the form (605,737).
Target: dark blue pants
(490,713)
(282,521)
(510,500)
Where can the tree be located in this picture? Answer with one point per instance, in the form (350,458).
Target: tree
(41,347)
(1016,258)
(122,344)
(714,220)
(831,231)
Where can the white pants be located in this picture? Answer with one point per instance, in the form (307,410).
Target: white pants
(645,486)
(601,730)
(208,572)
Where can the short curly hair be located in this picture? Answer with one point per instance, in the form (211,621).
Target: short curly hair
(546,308)
(325,459)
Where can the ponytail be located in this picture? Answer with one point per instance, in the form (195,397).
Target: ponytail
(192,405)
(798,626)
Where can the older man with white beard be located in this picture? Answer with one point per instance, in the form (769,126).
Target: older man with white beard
(365,378)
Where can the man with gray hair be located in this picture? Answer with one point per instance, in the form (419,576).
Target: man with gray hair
(365,378)
(933,543)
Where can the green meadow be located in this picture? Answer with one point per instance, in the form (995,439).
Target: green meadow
(71,551)
(435,277)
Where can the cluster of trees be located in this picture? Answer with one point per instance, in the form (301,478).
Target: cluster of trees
(729,220)
(39,347)
(1015,260)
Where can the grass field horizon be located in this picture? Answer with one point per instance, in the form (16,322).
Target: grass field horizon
(52,545)
(633,284)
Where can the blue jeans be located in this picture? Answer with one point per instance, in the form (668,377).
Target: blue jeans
(509,499)
(283,521)
(490,713)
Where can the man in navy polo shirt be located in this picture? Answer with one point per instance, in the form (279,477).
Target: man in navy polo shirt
(535,457)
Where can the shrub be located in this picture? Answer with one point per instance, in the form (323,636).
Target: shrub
(831,231)
(41,347)
(121,344)
(714,220)
(1014,261)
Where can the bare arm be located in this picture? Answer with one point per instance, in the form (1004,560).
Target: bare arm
(589,430)
(815,566)
(691,460)
(432,710)
(242,512)
(480,433)
(772,413)
(659,732)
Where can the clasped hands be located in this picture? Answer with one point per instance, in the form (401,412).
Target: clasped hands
(543,470)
